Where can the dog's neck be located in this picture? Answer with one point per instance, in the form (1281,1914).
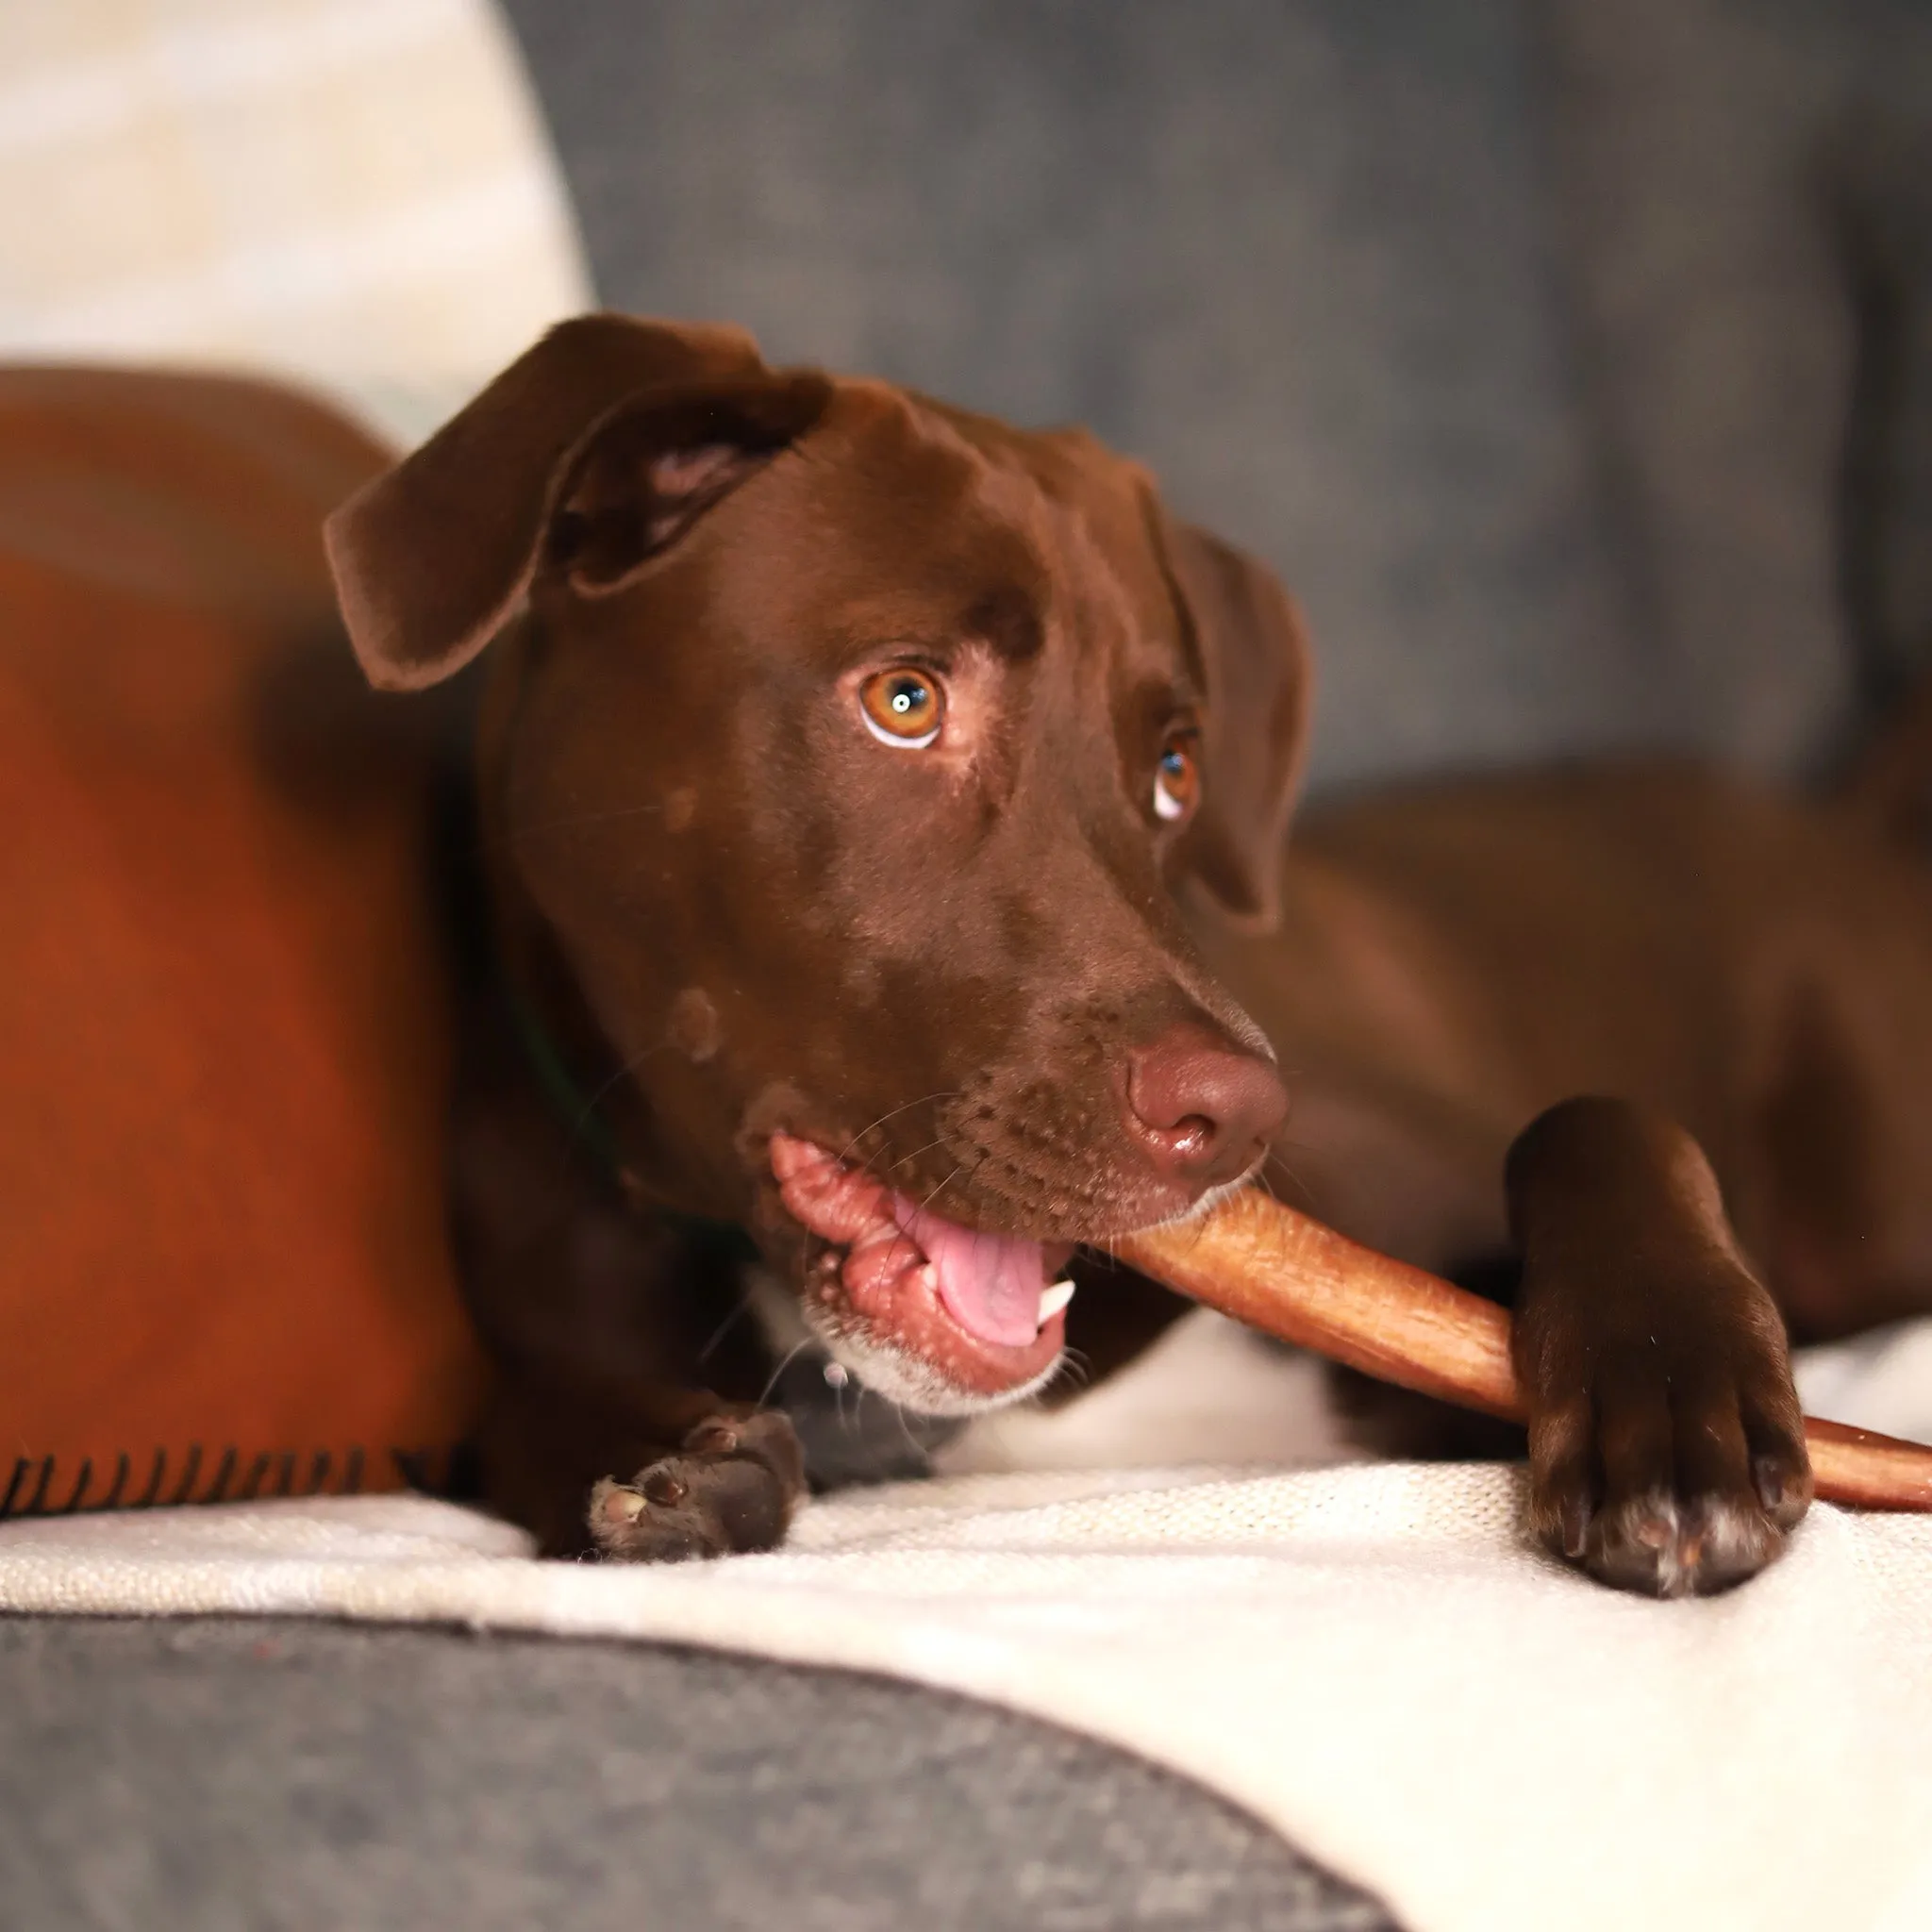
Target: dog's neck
(576,1106)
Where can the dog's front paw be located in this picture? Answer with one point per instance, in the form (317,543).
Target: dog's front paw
(1672,1472)
(729,1489)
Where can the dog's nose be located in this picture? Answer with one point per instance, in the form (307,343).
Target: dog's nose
(1202,1109)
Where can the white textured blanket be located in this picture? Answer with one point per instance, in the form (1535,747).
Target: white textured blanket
(1370,1658)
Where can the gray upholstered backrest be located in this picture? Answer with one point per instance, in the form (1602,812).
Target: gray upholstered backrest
(1382,291)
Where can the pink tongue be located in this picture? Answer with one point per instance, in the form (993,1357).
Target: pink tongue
(990,1283)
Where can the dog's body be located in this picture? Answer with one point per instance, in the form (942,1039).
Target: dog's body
(884,809)
(1456,960)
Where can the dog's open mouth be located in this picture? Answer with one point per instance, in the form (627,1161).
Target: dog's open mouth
(938,1316)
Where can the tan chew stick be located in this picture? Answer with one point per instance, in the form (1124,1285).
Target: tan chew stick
(1278,1271)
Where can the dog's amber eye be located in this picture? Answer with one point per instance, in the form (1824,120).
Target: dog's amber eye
(902,708)
(1178,776)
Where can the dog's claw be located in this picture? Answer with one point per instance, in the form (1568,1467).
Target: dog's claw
(612,1503)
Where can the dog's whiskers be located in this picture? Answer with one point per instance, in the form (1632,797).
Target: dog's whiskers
(917,1152)
(791,1355)
(933,1195)
(912,1441)
(1302,1190)
(616,1079)
(893,1113)
(723,1327)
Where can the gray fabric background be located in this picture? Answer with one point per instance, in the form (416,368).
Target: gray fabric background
(264,1776)
(1716,165)
(1515,333)
(1295,256)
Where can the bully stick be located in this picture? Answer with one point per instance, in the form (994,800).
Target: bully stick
(1276,1269)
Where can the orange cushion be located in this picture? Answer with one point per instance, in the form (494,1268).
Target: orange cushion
(224,1026)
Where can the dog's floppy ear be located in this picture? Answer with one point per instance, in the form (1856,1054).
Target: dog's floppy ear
(595,449)
(1253,654)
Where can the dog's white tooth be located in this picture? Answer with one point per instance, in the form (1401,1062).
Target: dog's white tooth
(1052,1300)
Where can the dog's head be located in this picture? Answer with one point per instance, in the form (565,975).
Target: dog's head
(852,758)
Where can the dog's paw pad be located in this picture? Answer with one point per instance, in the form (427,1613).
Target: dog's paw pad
(730,1489)
(1667,1545)
(1671,1482)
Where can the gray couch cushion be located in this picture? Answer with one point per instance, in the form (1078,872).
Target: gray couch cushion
(1518,339)
(1294,255)
(271,1773)
(1730,173)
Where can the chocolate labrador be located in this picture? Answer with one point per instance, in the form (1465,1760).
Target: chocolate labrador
(882,813)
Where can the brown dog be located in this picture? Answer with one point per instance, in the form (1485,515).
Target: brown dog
(882,812)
